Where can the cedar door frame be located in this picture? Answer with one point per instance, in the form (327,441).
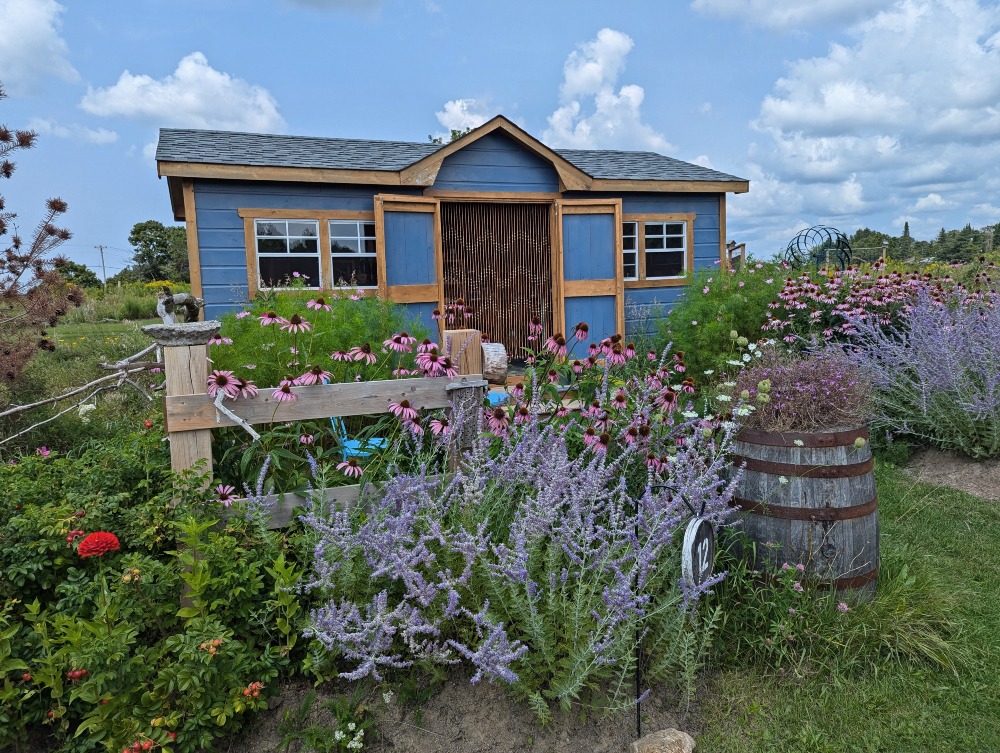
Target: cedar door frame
(660,282)
(421,293)
(321,216)
(584,288)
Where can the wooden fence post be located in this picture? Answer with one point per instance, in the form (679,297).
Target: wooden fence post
(465,348)
(466,401)
(185,367)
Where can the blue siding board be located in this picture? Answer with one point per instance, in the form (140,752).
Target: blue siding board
(588,243)
(496,163)
(599,314)
(421,312)
(222,257)
(409,248)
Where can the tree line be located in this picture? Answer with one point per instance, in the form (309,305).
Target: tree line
(948,246)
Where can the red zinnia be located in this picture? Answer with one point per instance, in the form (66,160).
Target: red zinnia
(98,543)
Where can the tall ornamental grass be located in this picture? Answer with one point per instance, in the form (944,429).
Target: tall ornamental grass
(937,373)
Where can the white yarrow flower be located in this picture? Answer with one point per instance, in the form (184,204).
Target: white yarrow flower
(723,398)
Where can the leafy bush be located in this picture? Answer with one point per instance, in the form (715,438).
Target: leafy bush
(117,303)
(716,304)
(937,372)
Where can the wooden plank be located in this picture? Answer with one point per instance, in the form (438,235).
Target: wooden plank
(723,259)
(191,226)
(464,346)
(619,272)
(185,369)
(305,214)
(413,293)
(273,173)
(250,241)
(516,197)
(195,411)
(580,288)
(671,186)
(558,270)
(383,283)
(588,206)
(326,280)
(666,282)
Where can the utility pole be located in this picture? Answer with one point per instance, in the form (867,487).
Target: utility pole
(104,271)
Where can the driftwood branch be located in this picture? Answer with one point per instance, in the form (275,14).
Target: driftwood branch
(119,375)
(219,397)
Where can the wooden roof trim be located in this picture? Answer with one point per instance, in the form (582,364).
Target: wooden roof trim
(424,172)
(175,188)
(671,186)
(289,174)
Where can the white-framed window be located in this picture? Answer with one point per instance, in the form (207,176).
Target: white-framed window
(666,248)
(630,250)
(352,250)
(287,250)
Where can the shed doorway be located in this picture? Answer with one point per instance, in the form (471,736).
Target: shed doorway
(497,257)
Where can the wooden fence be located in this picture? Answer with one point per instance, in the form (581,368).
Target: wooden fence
(190,414)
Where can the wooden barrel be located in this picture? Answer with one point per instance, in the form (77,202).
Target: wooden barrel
(810,498)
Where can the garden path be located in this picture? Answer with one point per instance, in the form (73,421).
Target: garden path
(980,478)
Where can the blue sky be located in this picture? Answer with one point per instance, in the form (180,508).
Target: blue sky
(844,112)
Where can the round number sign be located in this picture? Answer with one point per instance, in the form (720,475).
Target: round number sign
(698,555)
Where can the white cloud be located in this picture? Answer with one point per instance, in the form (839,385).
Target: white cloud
(194,96)
(788,14)
(592,113)
(704,161)
(73,131)
(462,114)
(903,119)
(30,46)
(989,212)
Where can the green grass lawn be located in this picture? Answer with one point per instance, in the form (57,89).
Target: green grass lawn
(950,537)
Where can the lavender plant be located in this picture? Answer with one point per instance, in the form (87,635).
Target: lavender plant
(937,373)
(542,562)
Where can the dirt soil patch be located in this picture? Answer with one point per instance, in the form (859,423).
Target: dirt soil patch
(980,478)
(464,718)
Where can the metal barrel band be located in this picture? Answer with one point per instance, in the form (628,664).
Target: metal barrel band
(796,470)
(856,581)
(806,513)
(803,439)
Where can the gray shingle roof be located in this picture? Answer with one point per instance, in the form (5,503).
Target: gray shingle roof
(269,150)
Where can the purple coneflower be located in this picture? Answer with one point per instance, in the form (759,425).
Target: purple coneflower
(602,443)
(269,317)
(620,400)
(552,375)
(651,355)
(617,356)
(430,363)
(284,392)
(364,353)
(561,412)
(402,372)
(556,344)
(414,426)
(225,494)
(296,324)
(522,415)
(440,426)
(340,355)
(316,375)
(582,332)
(630,351)
(225,381)
(220,340)
(426,346)
(589,436)
(319,303)
(498,421)
(403,410)
(517,391)
(398,343)
(351,468)
(535,326)
(246,387)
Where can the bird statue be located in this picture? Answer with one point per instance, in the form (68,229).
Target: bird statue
(167,304)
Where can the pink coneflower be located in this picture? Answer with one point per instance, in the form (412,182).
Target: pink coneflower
(220,340)
(631,435)
(653,462)
(593,350)
(667,400)
(620,400)
(556,344)
(630,350)
(225,381)
(651,355)
(398,343)
(430,363)
(364,353)
(617,355)
(522,415)
(225,494)
(414,426)
(354,297)
(436,314)
(440,426)
(426,346)
(269,317)
(351,468)
(242,314)
(246,387)
(316,375)
(688,386)
(552,375)
(403,410)
(498,421)
(582,332)
(296,324)
(577,367)
(307,439)
(589,436)
(602,444)
(318,304)
(593,410)
(450,370)
(284,392)
(517,391)
(402,372)
(535,326)
(340,355)
(561,412)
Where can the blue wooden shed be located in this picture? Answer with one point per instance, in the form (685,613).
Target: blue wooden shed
(496,218)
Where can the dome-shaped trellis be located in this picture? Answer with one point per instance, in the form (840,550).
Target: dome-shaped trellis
(819,245)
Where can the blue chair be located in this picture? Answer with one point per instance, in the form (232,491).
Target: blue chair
(496,398)
(355,448)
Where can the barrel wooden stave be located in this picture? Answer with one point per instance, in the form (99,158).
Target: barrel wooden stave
(839,545)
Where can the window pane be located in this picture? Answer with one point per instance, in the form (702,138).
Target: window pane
(654,229)
(344,245)
(308,229)
(277,270)
(654,243)
(674,229)
(628,242)
(629,228)
(369,229)
(272,246)
(675,241)
(629,265)
(664,264)
(369,246)
(344,229)
(303,245)
(359,271)
(270,228)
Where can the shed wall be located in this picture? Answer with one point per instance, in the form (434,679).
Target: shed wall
(496,163)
